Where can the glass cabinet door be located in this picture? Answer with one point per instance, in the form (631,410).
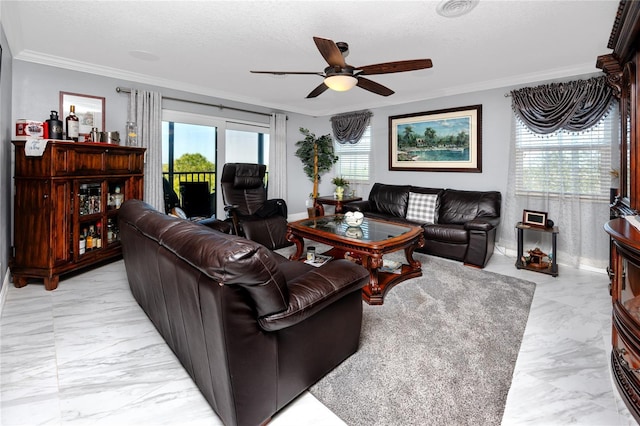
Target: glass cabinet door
(629,295)
(90,198)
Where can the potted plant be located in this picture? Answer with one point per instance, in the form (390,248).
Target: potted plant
(340,183)
(317,156)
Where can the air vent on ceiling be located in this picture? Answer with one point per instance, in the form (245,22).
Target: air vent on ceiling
(454,8)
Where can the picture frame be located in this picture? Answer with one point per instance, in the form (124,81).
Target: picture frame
(534,218)
(89,109)
(445,140)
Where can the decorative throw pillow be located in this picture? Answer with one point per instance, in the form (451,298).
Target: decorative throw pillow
(422,207)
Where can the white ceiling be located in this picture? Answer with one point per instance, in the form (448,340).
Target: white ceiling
(208,47)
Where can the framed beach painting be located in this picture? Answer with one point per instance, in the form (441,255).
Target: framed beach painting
(446,140)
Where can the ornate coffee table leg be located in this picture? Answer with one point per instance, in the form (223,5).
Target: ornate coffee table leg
(381,283)
(372,293)
(408,252)
(299,242)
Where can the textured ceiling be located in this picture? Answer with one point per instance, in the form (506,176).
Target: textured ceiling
(208,47)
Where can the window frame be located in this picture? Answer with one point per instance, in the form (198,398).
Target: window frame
(564,145)
(222,125)
(356,149)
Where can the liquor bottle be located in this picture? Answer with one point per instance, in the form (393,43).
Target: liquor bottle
(72,124)
(132,134)
(116,232)
(118,198)
(82,245)
(90,238)
(97,239)
(55,126)
(110,234)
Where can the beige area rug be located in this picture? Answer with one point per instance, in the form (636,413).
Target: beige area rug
(440,351)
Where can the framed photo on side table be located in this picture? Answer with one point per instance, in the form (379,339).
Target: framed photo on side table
(534,218)
(446,140)
(89,109)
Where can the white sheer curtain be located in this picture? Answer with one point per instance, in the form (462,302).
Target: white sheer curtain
(145,109)
(582,241)
(278,157)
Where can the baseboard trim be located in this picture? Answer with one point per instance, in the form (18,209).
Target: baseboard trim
(513,253)
(5,289)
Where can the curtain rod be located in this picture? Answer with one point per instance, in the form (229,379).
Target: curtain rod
(125,90)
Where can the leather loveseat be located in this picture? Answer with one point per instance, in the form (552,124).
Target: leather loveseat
(459,225)
(252,328)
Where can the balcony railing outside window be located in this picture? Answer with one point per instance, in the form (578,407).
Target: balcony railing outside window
(192,196)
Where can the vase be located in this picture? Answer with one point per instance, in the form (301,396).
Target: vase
(339,192)
(311,208)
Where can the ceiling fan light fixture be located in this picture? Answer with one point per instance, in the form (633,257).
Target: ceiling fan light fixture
(341,83)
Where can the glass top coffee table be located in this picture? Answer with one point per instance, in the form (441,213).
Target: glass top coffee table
(365,244)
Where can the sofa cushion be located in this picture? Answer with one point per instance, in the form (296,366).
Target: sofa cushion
(389,199)
(455,234)
(422,207)
(462,206)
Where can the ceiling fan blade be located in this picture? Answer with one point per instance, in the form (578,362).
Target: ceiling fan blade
(330,52)
(398,66)
(374,87)
(288,72)
(318,91)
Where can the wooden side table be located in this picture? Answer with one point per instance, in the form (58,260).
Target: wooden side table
(521,264)
(334,202)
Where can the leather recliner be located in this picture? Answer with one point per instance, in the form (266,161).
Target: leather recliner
(253,215)
(252,329)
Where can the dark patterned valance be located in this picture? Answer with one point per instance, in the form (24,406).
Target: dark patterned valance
(349,128)
(573,106)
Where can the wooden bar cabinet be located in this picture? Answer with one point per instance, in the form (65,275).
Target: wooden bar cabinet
(66,205)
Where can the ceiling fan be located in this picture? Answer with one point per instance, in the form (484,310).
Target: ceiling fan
(341,77)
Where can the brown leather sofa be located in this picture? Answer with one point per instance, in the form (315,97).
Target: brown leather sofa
(252,328)
(464,225)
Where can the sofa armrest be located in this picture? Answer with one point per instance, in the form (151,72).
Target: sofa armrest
(482,224)
(316,289)
(357,206)
(219,225)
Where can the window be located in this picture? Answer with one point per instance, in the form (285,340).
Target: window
(353,163)
(246,143)
(567,164)
(189,164)
(195,146)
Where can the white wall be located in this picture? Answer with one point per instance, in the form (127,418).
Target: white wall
(36,91)
(496,135)
(37,87)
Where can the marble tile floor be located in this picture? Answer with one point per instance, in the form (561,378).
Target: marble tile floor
(86,354)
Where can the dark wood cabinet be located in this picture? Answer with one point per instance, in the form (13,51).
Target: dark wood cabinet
(60,197)
(625,293)
(621,68)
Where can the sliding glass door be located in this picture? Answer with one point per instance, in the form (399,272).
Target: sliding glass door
(191,147)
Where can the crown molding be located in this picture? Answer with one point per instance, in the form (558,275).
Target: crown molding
(499,83)
(86,67)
